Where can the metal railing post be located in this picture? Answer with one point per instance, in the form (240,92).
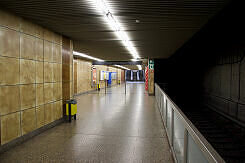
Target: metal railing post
(172,126)
(185,145)
(125,87)
(166,112)
(105,86)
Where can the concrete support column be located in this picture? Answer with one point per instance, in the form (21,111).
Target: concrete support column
(151,89)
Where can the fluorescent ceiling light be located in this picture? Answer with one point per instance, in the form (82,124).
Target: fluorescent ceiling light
(122,67)
(139,67)
(134,60)
(87,56)
(103,7)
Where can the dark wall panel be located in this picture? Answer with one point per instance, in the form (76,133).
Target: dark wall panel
(209,70)
(235,80)
(242,82)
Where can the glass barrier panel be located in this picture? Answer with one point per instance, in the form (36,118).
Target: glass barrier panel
(163,103)
(159,99)
(169,114)
(165,112)
(160,102)
(194,154)
(178,138)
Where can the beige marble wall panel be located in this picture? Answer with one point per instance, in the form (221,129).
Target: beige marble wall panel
(27,27)
(59,75)
(48,72)
(27,96)
(57,39)
(48,51)
(71,89)
(39,72)
(48,113)
(10,99)
(151,83)
(39,45)
(39,32)
(40,116)
(10,127)
(71,58)
(71,73)
(65,73)
(48,92)
(28,121)
(84,75)
(28,68)
(60,109)
(27,46)
(39,94)
(9,20)
(57,110)
(57,91)
(57,57)
(9,43)
(48,35)
(27,71)
(9,71)
(65,90)
(57,72)
(71,52)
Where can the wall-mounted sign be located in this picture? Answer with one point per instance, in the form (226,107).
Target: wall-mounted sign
(104,75)
(107,75)
(151,64)
(113,75)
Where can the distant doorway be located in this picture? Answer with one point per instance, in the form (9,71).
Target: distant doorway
(135,75)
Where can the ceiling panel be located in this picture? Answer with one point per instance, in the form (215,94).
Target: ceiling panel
(163,25)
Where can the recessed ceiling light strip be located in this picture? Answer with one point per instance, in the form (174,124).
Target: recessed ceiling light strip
(96,59)
(115,25)
(122,67)
(87,56)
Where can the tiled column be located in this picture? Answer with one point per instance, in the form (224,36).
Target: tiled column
(67,69)
(151,88)
(75,77)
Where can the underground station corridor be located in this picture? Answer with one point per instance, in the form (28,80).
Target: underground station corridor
(113,127)
(130,81)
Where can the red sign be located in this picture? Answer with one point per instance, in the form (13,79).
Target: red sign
(146,78)
(94,75)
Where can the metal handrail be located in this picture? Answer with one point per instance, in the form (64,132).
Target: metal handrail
(209,152)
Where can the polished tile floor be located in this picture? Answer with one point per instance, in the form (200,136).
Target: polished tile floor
(112,127)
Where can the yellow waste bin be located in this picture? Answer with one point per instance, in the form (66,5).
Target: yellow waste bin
(98,87)
(71,109)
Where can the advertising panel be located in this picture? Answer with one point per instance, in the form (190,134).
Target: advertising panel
(94,75)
